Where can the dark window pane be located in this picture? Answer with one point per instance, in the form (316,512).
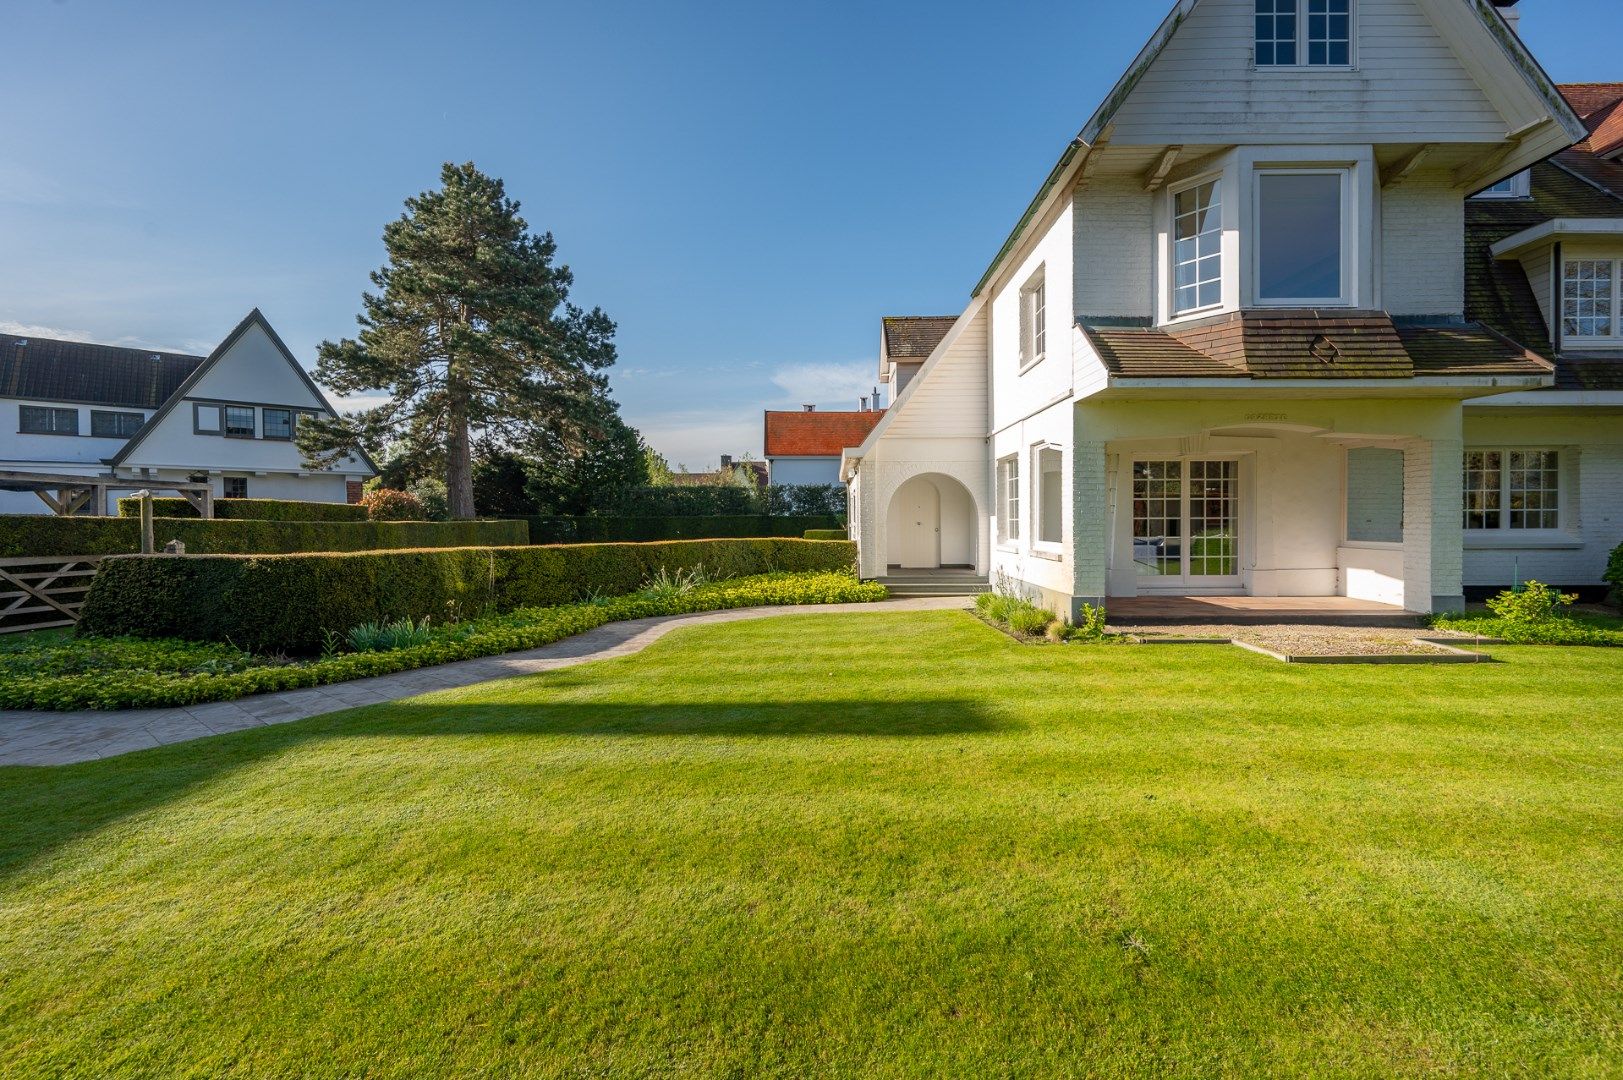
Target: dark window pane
(1300,236)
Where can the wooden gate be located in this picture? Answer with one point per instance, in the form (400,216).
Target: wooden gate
(36,593)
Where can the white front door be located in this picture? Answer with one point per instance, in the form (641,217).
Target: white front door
(921,526)
(1186,514)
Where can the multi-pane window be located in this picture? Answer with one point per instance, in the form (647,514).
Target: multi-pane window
(44,420)
(1008,499)
(1312,33)
(1198,248)
(1301,236)
(1050,519)
(239,421)
(1213,498)
(1590,298)
(1033,319)
(114,425)
(235,487)
(1512,489)
(278,423)
(1276,33)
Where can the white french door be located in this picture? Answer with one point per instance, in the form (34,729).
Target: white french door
(1186,514)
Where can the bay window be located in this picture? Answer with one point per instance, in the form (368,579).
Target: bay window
(1301,237)
(1590,298)
(1512,489)
(1197,248)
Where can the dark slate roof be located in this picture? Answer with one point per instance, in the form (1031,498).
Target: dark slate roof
(1309,345)
(43,369)
(914,337)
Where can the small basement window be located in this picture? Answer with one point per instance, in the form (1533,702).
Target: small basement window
(235,487)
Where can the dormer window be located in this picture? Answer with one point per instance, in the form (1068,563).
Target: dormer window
(1511,187)
(1591,298)
(1303,33)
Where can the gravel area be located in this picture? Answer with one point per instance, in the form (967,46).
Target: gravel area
(1294,639)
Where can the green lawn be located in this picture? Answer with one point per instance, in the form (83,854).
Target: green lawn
(880,844)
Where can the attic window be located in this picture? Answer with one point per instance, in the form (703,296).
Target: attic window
(1512,187)
(1303,33)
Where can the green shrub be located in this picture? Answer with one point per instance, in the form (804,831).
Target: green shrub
(1089,625)
(712,500)
(825,534)
(1029,619)
(1533,604)
(291,602)
(46,535)
(1614,573)
(249,510)
(100,673)
(383,636)
(594,529)
(387,504)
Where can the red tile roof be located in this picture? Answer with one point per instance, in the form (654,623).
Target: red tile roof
(817,434)
(1600,107)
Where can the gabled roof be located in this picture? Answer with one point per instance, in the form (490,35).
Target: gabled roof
(44,369)
(914,337)
(253,318)
(817,434)
(1310,345)
(1600,107)
(1521,72)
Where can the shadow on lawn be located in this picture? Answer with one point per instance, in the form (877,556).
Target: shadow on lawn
(43,808)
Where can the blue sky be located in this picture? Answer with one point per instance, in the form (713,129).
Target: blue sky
(745,187)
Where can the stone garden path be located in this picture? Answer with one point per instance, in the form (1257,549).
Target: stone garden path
(29,737)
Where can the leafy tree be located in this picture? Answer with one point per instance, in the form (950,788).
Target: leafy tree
(499,478)
(659,469)
(471,331)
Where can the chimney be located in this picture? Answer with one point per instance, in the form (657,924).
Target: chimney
(863,406)
(876,399)
(808,408)
(1511,13)
(726,461)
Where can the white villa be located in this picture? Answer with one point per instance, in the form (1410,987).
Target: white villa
(1228,348)
(133,417)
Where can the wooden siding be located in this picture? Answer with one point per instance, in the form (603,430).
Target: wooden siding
(949,399)
(1407,86)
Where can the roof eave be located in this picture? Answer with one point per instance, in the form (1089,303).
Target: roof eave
(1556,227)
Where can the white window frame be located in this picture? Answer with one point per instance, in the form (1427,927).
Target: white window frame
(1302,41)
(1520,187)
(1349,237)
(1008,500)
(1216,207)
(1037,541)
(1504,527)
(1568,338)
(1034,319)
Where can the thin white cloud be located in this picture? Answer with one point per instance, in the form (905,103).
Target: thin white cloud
(697,438)
(836,385)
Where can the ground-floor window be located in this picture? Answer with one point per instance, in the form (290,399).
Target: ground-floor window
(1049,513)
(1512,489)
(1186,518)
(236,487)
(1008,499)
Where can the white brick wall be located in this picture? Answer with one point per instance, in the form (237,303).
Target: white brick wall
(1422,249)
(1431,525)
(1114,243)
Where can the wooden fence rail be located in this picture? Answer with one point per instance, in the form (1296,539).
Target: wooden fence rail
(37,593)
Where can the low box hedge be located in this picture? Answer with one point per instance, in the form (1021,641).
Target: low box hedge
(43,535)
(290,602)
(825,534)
(249,509)
(616,529)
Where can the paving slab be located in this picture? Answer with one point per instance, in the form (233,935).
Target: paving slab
(29,737)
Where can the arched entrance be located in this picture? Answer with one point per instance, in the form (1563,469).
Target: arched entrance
(930,524)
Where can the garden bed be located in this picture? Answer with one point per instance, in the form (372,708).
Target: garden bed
(53,671)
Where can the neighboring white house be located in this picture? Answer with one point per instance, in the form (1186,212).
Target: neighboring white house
(74,408)
(1226,348)
(804,447)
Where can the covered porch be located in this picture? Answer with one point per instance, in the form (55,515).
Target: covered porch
(1303,509)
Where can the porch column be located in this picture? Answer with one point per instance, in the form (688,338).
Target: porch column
(1090,522)
(1433,534)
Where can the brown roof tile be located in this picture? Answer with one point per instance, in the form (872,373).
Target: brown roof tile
(816,434)
(914,336)
(1600,107)
(1153,354)
(44,369)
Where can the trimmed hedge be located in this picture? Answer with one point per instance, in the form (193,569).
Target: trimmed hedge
(565,530)
(288,603)
(825,534)
(45,535)
(120,673)
(249,510)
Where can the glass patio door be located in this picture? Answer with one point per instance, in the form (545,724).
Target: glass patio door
(1186,522)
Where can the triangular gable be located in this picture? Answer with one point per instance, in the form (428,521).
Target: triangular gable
(200,380)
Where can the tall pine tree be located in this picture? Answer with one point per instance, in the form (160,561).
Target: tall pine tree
(470,332)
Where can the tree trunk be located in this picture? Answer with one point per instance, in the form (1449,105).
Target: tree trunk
(459,464)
